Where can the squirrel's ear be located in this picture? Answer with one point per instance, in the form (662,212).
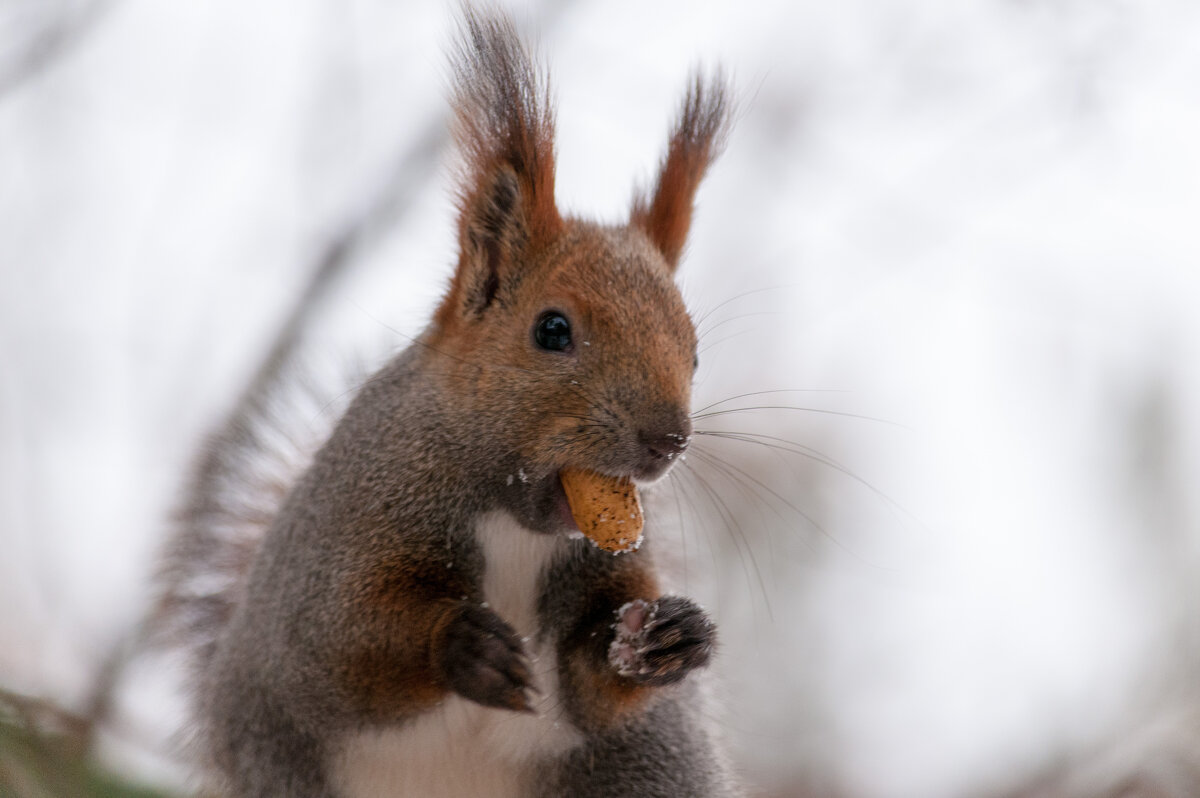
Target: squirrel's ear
(504,132)
(696,139)
(493,234)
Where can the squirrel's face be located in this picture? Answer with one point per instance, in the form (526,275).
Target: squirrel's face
(585,361)
(613,351)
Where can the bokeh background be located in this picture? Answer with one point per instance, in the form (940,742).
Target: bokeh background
(959,242)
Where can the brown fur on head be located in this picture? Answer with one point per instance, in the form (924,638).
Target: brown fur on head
(616,400)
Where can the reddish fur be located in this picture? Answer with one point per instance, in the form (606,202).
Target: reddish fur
(698,137)
(572,273)
(602,700)
(389,676)
(598,697)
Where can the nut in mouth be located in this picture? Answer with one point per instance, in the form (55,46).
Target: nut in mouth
(606,509)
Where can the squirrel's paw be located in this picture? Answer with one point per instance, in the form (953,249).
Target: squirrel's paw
(483,660)
(660,642)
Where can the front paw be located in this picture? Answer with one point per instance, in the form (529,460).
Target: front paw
(483,660)
(660,642)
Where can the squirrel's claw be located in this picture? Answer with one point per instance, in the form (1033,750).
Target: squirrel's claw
(483,660)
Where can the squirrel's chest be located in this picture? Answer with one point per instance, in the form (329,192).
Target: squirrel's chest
(460,747)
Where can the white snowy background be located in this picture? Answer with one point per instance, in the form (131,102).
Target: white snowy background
(973,227)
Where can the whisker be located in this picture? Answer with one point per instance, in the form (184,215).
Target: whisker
(673,476)
(744,548)
(720,464)
(817,526)
(821,410)
(753,499)
(736,297)
(791,447)
(739,317)
(725,469)
(768,393)
(712,344)
(692,506)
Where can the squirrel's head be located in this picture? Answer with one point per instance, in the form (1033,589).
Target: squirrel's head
(568,342)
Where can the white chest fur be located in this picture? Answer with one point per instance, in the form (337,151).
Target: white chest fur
(461,748)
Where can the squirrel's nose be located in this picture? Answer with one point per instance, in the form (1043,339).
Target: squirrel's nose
(662,437)
(667,446)
(666,443)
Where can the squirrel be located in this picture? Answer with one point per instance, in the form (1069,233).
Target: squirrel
(414,611)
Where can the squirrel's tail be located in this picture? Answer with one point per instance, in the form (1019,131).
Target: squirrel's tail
(239,483)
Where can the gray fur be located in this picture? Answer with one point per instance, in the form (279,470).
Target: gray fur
(667,753)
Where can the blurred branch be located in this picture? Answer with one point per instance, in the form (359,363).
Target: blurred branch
(47,44)
(43,716)
(74,731)
(399,191)
(43,753)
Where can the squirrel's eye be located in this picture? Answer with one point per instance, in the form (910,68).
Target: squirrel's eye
(553,332)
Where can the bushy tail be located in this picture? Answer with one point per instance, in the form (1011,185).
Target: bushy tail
(241,480)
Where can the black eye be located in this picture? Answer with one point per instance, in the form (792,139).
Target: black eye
(553,332)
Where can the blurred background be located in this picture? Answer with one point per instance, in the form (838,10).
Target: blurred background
(955,551)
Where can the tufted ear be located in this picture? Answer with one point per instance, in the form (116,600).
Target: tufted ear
(696,140)
(504,132)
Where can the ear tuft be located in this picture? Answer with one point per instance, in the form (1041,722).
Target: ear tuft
(503,118)
(503,130)
(697,139)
